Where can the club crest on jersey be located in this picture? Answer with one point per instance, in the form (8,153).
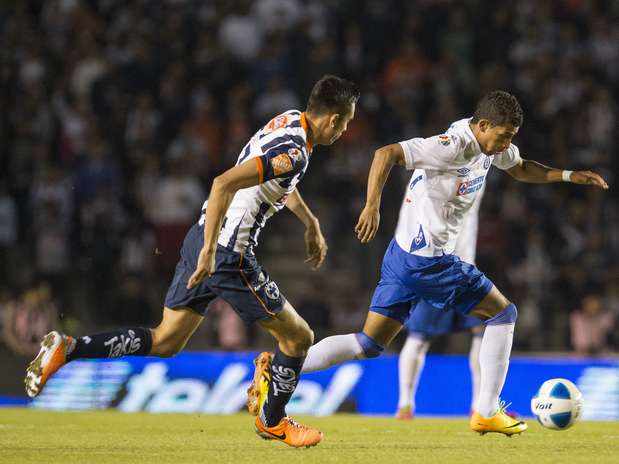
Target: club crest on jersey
(487,162)
(470,186)
(444,140)
(463,172)
(419,241)
(271,291)
(295,154)
(281,164)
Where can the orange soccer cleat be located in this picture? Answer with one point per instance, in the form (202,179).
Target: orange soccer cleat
(290,432)
(52,356)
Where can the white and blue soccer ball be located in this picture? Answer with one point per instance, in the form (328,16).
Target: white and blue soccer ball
(558,404)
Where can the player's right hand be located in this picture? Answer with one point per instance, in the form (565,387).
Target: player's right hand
(205,267)
(367,226)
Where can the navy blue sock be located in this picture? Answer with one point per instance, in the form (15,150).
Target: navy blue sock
(134,341)
(285,372)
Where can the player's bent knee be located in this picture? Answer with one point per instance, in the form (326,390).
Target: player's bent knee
(371,348)
(304,339)
(304,336)
(297,343)
(509,315)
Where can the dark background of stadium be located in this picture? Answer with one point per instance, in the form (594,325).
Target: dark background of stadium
(116,116)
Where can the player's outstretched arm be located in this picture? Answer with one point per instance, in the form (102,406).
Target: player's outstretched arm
(384,159)
(534,172)
(315,244)
(223,189)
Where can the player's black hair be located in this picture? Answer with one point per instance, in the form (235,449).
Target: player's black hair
(499,108)
(332,94)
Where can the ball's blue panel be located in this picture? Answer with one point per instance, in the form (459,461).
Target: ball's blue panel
(561,419)
(560,391)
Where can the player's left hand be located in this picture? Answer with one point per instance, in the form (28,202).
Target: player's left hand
(315,246)
(588,178)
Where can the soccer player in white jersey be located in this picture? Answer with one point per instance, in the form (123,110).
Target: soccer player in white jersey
(425,323)
(419,264)
(218,260)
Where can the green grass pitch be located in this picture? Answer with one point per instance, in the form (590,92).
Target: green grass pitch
(29,436)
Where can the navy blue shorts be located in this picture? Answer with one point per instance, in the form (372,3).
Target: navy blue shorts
(444,282)
(428,322)
(238,279)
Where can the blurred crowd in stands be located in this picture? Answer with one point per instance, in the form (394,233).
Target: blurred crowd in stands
(116,115)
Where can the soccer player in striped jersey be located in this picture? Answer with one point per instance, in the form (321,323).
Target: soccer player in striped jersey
(449,171)
(218,260)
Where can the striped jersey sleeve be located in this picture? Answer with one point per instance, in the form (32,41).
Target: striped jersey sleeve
(282,162)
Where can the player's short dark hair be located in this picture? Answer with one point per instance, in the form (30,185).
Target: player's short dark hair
(499,108)
(332,94)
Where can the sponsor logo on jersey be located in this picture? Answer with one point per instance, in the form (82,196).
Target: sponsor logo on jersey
(281,164)
(462,172)
(487,162)
(276,123)
(295,154)
(444,140)
(470,186)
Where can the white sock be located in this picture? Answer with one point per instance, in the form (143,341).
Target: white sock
(475,370)
(332,351)
(410,364)
(496,346)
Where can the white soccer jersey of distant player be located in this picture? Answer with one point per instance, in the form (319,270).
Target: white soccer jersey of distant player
(449,173)
(282,154)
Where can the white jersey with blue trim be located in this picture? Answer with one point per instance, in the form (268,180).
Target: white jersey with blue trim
(449,174)
(281,152)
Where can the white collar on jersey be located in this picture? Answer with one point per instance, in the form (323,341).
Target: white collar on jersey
(471,135)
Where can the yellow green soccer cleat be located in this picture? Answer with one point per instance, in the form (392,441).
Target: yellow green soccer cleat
(499,423)
(259,388)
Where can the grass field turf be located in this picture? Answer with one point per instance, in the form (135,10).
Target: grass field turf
(29,436)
